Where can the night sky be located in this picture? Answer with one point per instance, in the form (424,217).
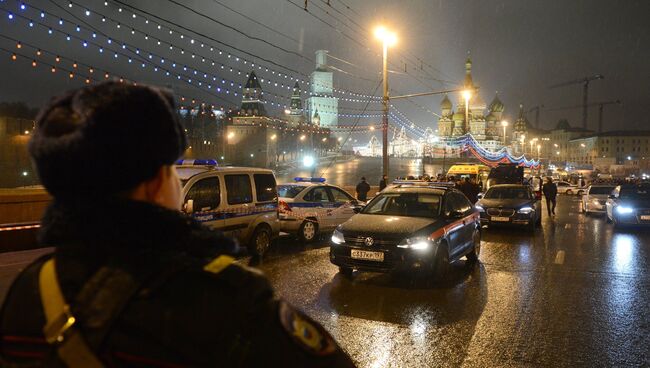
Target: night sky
(519,48)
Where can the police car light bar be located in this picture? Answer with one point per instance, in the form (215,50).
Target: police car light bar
(197,162)
(309,180)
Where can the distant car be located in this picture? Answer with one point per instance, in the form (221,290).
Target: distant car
(510,204)
(595,198)
(564,187)
(408,227)
(629,204)
(308,207)
(505,174)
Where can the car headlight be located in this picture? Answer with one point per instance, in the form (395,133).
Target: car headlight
(623,210)
(596,202)
(417,243)
(337,237)
(526,210)
(479,208)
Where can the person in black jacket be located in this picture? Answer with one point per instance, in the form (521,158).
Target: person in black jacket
(362,189)
(550,193)
(383,183)
(143,284)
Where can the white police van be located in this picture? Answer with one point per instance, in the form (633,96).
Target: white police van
(309,206)
(240,201)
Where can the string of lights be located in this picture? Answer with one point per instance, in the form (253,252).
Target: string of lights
(193,78)
(192,43)
(43,14)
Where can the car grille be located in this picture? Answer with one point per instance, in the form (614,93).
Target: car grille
(361,240)
(506,212)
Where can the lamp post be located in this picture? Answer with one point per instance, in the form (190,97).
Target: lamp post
(504,124)
(467,94)
(387,38)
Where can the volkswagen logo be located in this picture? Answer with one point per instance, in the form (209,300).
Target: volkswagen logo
(369,241)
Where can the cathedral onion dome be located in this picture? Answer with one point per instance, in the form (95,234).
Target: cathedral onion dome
(496,105)
(445,106)
(477,103)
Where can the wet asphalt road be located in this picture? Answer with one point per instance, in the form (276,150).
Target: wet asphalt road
(575,293)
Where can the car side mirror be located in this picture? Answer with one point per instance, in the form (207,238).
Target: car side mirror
(188,207)
(357,209)
(479,196)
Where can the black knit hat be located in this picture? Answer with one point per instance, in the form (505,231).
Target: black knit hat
(104,139)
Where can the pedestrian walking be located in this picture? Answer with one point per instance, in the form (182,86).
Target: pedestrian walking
(470,190)
(132,281)
(550,193)
(362,189)
(383,182)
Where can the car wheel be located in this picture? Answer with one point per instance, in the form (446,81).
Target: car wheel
(568,192)
(473,255)
(441,263)
(260,241)
(308,230)
(346,271)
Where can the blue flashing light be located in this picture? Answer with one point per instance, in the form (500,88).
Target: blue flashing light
(11,16)
(309,180)
(197,162)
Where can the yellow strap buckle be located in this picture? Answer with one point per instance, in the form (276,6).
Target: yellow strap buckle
(59,328)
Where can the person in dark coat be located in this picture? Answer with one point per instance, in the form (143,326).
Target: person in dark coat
(550,193)
(140,283)
(470,190)
(383,182)
(362,189)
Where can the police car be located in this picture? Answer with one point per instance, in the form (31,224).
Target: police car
(309,206)
(240,201)
(409,227)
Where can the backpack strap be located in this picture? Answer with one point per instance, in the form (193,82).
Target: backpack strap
(60,330)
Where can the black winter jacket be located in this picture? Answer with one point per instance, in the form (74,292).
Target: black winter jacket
(183,317)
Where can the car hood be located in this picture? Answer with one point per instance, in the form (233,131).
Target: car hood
(505,203)
(390,226)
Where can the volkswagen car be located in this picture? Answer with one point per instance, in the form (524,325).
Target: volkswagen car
(408,227)
(629,204)
(510,204)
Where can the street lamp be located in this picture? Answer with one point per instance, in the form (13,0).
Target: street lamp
(504,124)
(467,94)
(387,38)
(539,149)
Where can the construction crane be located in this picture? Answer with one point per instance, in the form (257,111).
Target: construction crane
(600,105)
(536,109)
(585,92)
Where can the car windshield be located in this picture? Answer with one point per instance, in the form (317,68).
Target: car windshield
(637,192)
(507,193)
(289,191)
(600,190)
(405,204)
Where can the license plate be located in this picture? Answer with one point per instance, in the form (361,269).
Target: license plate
(645,217)
(366,255)
(500,219)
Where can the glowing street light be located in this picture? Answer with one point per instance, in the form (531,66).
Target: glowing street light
(467,95)
(387,38)
(504,124)
(324,139)
(302,137)
(273,137)
(231,135)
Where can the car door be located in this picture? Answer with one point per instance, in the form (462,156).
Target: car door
(466,208)
(323,206)
(344,205)
(205,196)
(454,226)
(240,206)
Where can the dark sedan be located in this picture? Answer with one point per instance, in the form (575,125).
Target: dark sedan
(408,227)
(629,205)
(509,204)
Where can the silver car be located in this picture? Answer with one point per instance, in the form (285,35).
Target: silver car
(595,198)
